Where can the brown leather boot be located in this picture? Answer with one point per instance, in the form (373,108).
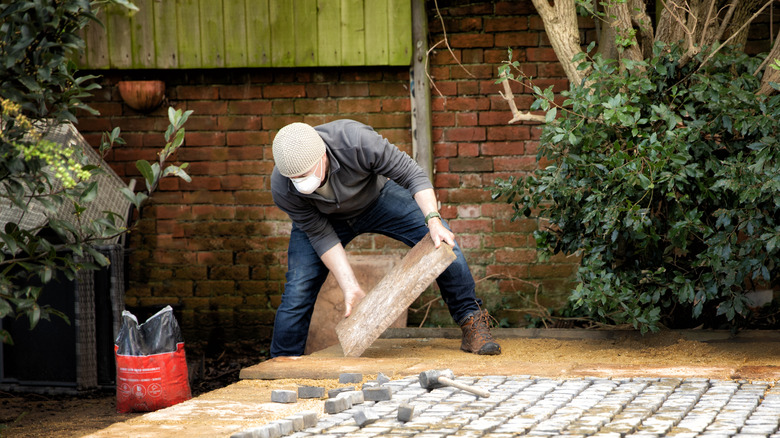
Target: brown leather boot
(476,334)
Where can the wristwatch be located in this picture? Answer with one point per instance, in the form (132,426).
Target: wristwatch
(432,215)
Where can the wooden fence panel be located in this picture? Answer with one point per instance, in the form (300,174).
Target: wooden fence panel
(212,34)
(234,25)
(120,53)
(188,33)
(353,33)
(97,47)
(305,33)
(142,35)
(329,32)
(399,32)
(376,24)
(258,35)
(165,35)
(251,33)
(282,33)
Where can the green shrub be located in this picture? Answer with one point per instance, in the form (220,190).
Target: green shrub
(39,89)
(665,179)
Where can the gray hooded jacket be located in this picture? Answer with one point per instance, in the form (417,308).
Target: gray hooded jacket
(361,161)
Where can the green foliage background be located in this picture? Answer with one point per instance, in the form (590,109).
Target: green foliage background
(665,179)
(40,89)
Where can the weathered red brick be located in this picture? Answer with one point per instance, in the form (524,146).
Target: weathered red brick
(207,107)
(277,122)
(401,104)
(348,106)
(471,40)
(502,148)
(203,183)
(515,8)
(473,72)
(274,91)
(195,92)
(207,168)
(316,106)
(471,164)
(466,119)
(388,89)
(512,133)
(239,123)
(476,195)
(172,211)
(255,107)
(552,271)
(465,134)
(445,149)
(541,54)
(508,271)
(445,57)
(348,90)
(360,76)
(203,139)
(443,119)
(382,120)
(468,88)
(248,138)
(517,39)
(467,150)
(442,180)
(504,24)
(524,163)
(485,8)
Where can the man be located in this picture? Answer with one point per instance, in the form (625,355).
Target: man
(342,179)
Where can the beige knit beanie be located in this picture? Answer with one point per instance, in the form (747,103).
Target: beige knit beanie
(297,148)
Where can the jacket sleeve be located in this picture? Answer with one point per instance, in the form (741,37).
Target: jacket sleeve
(383,158)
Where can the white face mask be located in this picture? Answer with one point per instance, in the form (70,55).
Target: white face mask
(308,184)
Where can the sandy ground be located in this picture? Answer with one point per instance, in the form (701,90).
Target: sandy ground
(247,403)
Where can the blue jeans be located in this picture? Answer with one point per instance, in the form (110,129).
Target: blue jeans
(394,214)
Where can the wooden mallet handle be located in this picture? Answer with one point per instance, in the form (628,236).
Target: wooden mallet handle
(449,382)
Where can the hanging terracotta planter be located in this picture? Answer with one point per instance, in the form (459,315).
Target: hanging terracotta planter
(142,96)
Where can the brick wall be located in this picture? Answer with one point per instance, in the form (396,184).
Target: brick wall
(215,248)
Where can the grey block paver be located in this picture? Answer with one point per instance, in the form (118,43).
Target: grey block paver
(333,393)
(284,396)
(583,407)
(311,392)
(350,378)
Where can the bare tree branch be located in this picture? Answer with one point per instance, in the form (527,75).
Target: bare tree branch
(734,34)
(725,23)
(517,115)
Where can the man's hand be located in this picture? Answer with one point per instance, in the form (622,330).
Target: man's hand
(351,299)
(439,233)
(336,260)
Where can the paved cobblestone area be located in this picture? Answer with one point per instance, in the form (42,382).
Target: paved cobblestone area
(587,407)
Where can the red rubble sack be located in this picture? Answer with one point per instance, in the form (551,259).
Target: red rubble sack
(151,366)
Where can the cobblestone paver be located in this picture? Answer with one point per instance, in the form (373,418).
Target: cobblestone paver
(587,407)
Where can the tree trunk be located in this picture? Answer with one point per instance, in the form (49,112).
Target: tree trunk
(670,27)
(642,22)
(742,14)
(770,74)
(621,25)
(562,28)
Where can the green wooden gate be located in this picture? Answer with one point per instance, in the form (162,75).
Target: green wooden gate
(187,34)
